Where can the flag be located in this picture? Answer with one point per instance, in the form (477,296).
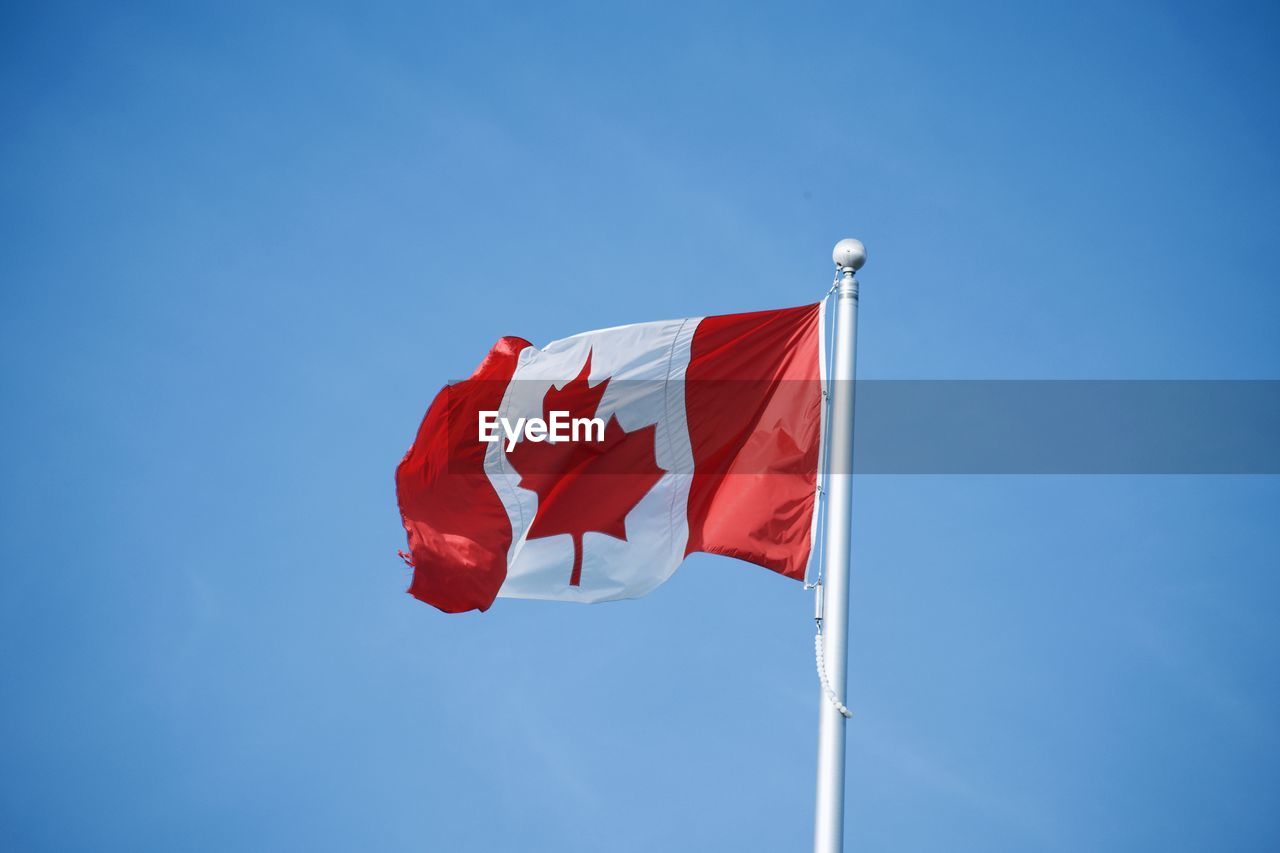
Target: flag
(588,469)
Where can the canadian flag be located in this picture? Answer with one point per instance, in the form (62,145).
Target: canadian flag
(588,469)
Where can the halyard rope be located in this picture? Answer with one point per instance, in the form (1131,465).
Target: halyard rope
(820,505)
(816,586)
(822,675)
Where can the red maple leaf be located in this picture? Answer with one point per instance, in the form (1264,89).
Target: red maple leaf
(585,485)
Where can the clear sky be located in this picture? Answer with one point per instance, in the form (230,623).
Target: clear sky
(245,243)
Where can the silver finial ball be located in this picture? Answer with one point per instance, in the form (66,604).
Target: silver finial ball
(849,254)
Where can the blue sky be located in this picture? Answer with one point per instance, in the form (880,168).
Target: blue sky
(246,243)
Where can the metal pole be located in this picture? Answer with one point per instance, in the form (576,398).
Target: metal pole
(828,825)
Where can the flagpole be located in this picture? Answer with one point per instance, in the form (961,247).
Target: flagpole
(828,826)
